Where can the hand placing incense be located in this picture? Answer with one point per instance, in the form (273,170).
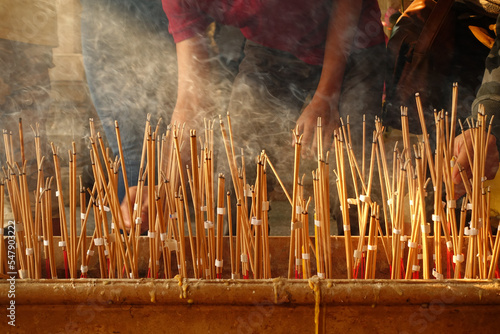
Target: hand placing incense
(326,100)
(463,148)
(127,220)
(318,108)
(323,52)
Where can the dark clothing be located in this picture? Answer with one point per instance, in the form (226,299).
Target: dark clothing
(269,93)
(489,92)
(272,87)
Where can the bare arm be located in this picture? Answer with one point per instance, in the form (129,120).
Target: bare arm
(192,94)
(325,102)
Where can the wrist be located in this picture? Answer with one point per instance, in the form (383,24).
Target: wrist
(331,99)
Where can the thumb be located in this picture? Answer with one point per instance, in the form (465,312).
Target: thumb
(462,161)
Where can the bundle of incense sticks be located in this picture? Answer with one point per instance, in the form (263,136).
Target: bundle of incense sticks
(299,256)
(188,205)
(252,224)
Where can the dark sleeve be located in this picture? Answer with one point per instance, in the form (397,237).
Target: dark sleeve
(489,92)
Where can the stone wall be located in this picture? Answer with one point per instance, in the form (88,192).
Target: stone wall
(68,119)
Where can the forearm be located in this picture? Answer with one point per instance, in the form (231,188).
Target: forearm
(193,78)
(325,102)
(341,29)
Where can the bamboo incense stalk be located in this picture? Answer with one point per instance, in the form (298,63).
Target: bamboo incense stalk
(38,203)
(150,165)
(318,239)
(298,146)
(109,192)
(422,211)
(21,141)
(98,241)
(84,211)
(363,154)
(238,240)
(221,210)
(351,159)
(398,223)
(196,198)
(371,253)
(231,235)
(101,224)
(239,187)
(382,191)
(50,236)
(256,220)
(425,136)
(342,193)
(161,228)
(59,194)
(3,249)
(366,201)
(25,222)
(306,256)
(184,192)
(210,219)
(383,175)
(437,217)
(180,220)
(453,122)
(125,181)
(265,218)
(279,179)
(466,146)
(169,206)
(326,208)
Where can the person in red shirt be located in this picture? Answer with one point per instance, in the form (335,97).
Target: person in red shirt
(303,60)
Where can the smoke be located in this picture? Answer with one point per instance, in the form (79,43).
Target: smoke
(131,70)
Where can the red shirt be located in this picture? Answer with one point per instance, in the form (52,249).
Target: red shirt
(295,26)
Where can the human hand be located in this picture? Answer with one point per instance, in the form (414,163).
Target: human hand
(124,207)
(308,121)
(460,152)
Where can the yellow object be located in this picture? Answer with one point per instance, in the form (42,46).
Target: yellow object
(483,36)
(495,195)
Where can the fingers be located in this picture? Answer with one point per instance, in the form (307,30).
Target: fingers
(459,190)
(125,214)
(462,161)
(144,216)
(125,207)
(308,141)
